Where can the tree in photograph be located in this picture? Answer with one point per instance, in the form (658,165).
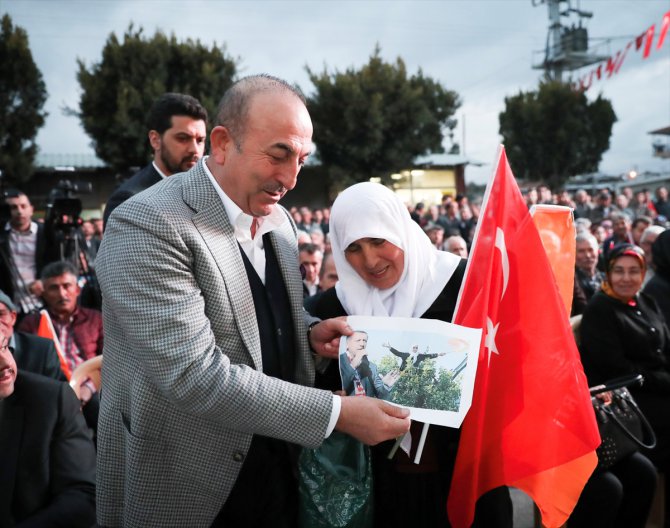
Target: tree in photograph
(555,132)
(22,96)
(377,120)
(425,386)
(118,91)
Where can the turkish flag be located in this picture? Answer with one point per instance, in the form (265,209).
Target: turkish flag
(531,424)
(46,330)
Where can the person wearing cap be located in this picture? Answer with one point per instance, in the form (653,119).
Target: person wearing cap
(623,332)
(436,234)
(31,353)
(46,455)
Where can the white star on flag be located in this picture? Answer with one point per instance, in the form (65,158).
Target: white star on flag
(491,332)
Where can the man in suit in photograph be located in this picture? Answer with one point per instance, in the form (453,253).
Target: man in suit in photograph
(177,130)
(47,458)
(208,352)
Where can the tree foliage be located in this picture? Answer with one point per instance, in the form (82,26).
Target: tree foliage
(424,386)
(118,91)
(377,120)
(22,96)
(555,132)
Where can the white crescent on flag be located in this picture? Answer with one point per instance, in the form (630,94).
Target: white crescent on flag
(500,244)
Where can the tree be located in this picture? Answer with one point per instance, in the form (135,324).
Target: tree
(118,91)
(377,120)
(22,96)
(555,133)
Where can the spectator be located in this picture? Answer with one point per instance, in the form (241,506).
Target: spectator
(583,204)
(325,222)
(31,353)
(637,228)
(23,253)
(309,225)
(387,267)
(641,205)
(433,216)
(456,244)
(603,207)
(98,225)
(318,239)
(451,222)
(647,239)
(310,265)
(90,242)
(587,277)
(177,128)
(621,205)
(658,287)
(328,276)
(661,204)
(545,195)
(468,223)
(621,232)
(532,197)
(418,215)
(435,233)
(79,329)
(623,332)
(46,455)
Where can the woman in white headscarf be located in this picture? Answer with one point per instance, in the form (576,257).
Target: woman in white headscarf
(387,266)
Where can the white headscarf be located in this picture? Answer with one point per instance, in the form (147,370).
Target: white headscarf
(370,210)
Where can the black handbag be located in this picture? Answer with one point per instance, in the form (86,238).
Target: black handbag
(622,425)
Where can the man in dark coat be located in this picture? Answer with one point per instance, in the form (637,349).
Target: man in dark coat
(47,460)
(177,128)
(31,353)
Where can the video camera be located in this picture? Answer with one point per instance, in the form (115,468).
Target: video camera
(63,208)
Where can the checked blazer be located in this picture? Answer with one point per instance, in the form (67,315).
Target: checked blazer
(183,389)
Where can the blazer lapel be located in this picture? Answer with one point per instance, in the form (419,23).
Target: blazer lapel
(211,221)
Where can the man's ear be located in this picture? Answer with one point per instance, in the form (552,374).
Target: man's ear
(155,140)
(220,143)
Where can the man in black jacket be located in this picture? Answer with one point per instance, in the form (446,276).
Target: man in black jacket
(177,128)
(47,459)
(31,353)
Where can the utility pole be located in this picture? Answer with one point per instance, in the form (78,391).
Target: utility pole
(567,46)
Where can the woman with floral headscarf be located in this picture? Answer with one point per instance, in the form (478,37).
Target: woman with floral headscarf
(388,267)
(623,332)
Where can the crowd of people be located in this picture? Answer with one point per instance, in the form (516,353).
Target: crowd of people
(215,376)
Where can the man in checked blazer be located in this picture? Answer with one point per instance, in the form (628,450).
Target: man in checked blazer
(208,367)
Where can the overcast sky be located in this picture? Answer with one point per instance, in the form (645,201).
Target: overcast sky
(482,49)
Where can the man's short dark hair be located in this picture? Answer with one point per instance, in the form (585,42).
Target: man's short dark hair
(15,193)
(643,219)
(234,105)
(173,104)
(309,248)
(56,269)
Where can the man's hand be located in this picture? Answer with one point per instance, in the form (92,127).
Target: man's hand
(371,420)
(325,336)
(386,344)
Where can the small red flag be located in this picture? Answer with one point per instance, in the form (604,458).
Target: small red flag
(46,329)
(531,424)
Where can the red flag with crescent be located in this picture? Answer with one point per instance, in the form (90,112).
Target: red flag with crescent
(531,424)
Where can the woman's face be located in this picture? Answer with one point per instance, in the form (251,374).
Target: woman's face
(625,277)
(377,261)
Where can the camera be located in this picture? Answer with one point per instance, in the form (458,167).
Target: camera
(63,207)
